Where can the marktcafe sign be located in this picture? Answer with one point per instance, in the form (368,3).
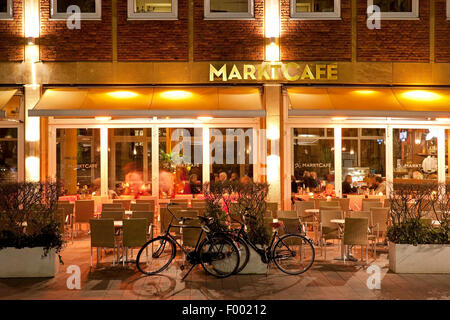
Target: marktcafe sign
(290,71)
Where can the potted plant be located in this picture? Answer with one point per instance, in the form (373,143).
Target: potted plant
(30,232)
(419,237)
(241,199)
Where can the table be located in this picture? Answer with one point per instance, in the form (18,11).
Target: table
(340,223)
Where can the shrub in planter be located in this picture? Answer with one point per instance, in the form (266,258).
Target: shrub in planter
(28,216)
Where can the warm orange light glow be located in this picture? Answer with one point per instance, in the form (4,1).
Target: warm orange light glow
(443,119)
(272,52)
(122,94)
(364,92)
(102,118)
(204,118)
(338,118)
(31,19)
(176,94)
(421,95)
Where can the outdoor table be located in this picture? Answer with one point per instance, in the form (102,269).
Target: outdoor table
(340,223)
(128,212)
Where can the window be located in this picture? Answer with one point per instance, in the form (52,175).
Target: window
(90,9)
(229,9)
(6,9)
(448,9)
(397,9)
(152,9)
(315,9)
(8,154)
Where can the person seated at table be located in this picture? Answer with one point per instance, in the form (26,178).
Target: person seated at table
(315,182)
(329,191)
(380,185)
(370,181)
(294,186)
(234,176)
(223,176)
(193,187)
(246,179)
(347,187)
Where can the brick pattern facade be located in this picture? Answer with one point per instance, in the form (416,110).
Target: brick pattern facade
(397,40)
(147,40)
(228,40)
(93,42)
(442,32)
(12,45)
(316,40)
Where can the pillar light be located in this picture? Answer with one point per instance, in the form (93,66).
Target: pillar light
(31,20)
(272,30)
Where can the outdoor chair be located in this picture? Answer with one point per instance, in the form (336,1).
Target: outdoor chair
(190,235)
(84,211)
(189,213)
(134,234)
(273,208)
(329,230)
(331,208)
(380,218)
(165,218)
(356,233)
(363,214)
(140,207)
(370,203)
(291,225)
(387,203)
(102,236)
(345,205)
(150,216)
(198,203)
(125,203)
(151,202)
(63,202)
(68,211)
(112,207)
(182,202)
(115,215)
(329,204)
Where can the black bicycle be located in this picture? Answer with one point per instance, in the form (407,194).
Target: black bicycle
(217,253)
(292,253)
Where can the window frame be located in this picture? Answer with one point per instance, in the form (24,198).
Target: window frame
(55,15)
(413,15)
(448,9)
(152,15)
(335,15)
(249,15)
(8,15)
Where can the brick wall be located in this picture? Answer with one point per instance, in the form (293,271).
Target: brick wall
(397,40)
(93,42)
(316,40)
(442,33)
(11,35)
(152,39)
(228,39)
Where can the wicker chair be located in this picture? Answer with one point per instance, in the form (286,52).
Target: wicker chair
(380,219)
(150,216)
(356,233)
(328,229)
(140,207)
(152,203)
(115,215)
(112,207)
(84,211)
(125,203)
(134,235)
(370,203)
(102,236)
(272,207)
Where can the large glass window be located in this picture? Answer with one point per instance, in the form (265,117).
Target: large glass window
(364,160)
(415,154)
(229,9)
(8,154)
(313,161)
(78,160)
(89,9)
(6,9)
(152,9)
(130,162)
(180,161)
(231,154)
(315,9)
(396,9)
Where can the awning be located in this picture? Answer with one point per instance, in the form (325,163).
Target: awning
(5,96)
(151,102)
(405,102)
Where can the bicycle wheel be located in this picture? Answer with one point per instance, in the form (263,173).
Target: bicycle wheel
(155,256)
(219,256)
(293,254)
(244,253)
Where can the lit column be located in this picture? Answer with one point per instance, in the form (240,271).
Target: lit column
(389,161)
(273,102)
(104,161)
(441,157)
(32,91)
(206,153)
(155,162)
(338,161)
(272,30)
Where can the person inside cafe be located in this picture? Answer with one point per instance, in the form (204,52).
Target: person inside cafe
(234,177)
(349,187)
(223,176)
(246,179)
(294,185)
(380,185)
(193,187)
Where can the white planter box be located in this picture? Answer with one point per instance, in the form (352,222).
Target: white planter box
(423,258)
(27,263)
(254,265)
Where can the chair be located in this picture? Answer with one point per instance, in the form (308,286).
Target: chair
(291,224)
(198,203)
(356,233)
(287,214)
(134,234)
(331,208)
(190,235)
(387,203)
(115,215)
(102,236)
(187,213)
(112,206)
(300,207)
(371,203)
(329,230)
(363,214)
(60,217)
(272,207)
(183,202)
(149,201)
(141,207)
(63,202)
(329,204)
(150,216)
(84,211)
(165,218)
(68,211)
(125,203)
(380,218)
(345,205)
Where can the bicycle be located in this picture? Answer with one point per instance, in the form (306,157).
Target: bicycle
(292,253)
(217,253)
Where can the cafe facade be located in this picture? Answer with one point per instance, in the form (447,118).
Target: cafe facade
(143,126)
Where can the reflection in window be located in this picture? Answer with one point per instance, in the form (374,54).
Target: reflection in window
(129,162)
(415,154)
(8,154)
(144,6)
(3,6)
(313,164)
(315,5)
(180,161)
(231,154)
(78,160)
(229,9)
(394,5)
(229,5)
(86,6)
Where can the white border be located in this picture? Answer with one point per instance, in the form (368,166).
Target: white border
(249,15)
(448,9)
(8,15)
(153,15)
(413,15)
(336,15)
(54,15)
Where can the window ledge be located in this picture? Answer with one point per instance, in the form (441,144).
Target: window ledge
(315,18)
(230,18)
(151,18)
